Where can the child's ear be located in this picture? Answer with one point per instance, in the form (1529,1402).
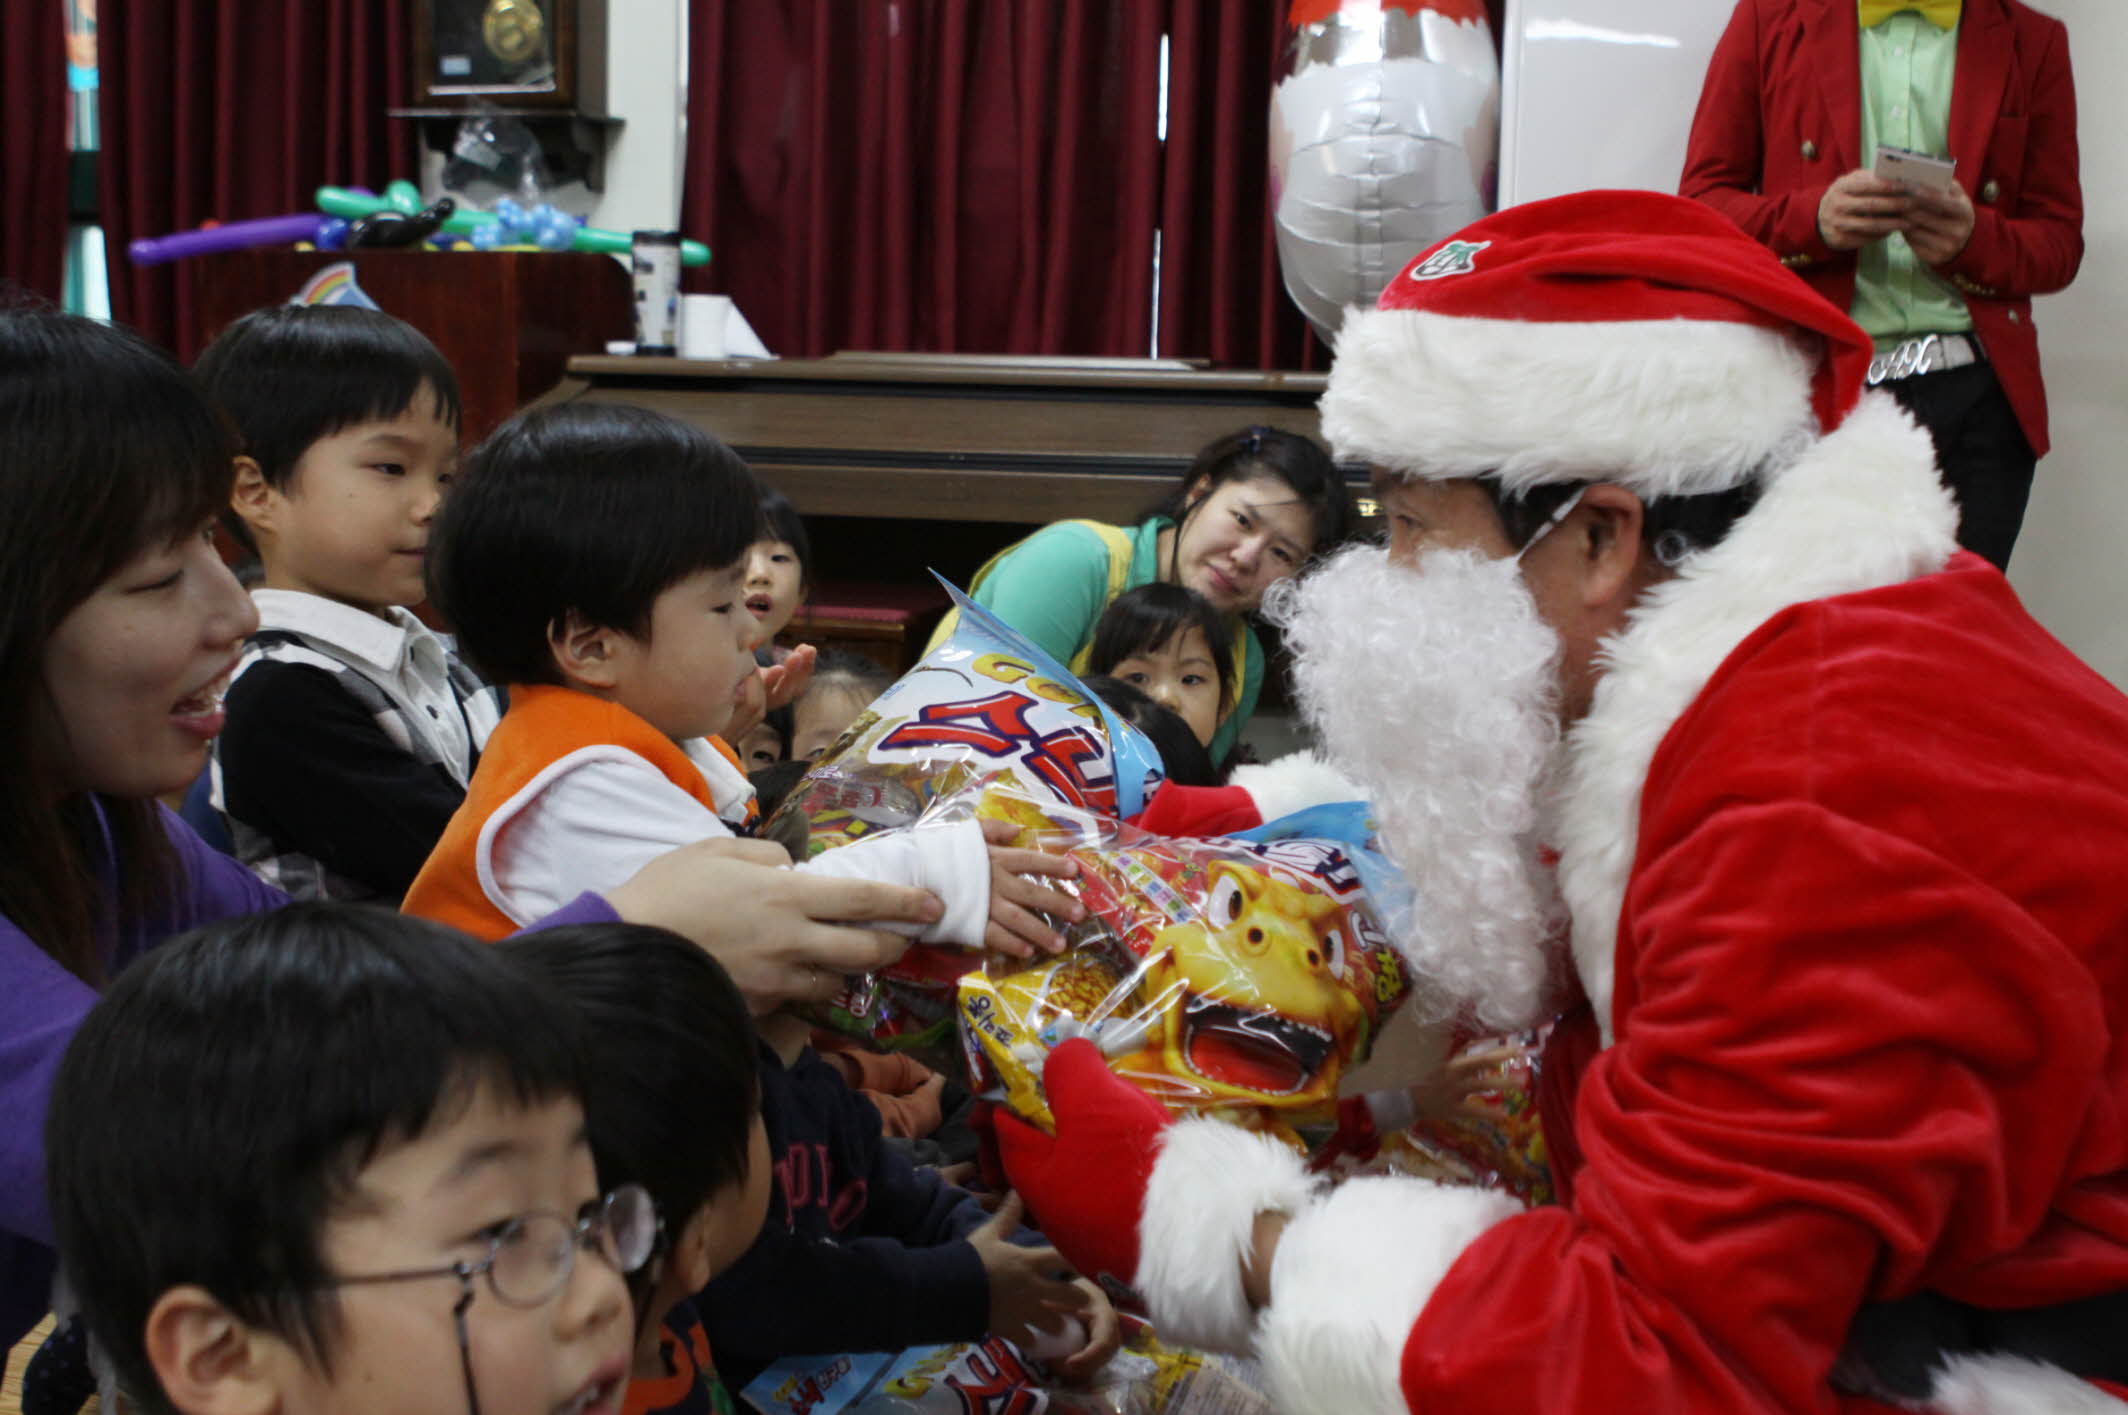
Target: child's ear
(252,499)
(587,655)
(209,1361)
(692,1254)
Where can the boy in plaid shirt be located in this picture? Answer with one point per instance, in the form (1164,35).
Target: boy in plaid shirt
(353,728)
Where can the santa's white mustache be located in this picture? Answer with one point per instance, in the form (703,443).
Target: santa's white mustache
(1436,689)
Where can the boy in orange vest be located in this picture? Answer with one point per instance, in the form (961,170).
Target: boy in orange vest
(591,558)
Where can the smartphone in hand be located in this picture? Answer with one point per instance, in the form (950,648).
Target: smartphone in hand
(1916,171)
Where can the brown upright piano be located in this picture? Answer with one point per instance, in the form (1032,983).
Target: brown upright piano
(904,464)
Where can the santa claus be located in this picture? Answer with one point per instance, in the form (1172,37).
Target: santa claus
(1839,1110)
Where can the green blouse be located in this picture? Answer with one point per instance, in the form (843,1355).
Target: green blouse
(1053,586)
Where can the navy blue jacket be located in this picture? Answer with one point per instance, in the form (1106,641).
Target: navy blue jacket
(861,1250)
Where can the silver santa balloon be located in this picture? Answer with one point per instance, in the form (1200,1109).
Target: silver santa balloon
(1385,137)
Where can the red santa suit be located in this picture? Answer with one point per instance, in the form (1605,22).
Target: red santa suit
(1841,837)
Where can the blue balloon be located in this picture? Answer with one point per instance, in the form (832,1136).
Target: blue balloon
(486,236)
(509,213)
(332,234)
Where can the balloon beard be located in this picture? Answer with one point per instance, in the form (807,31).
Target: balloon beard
(1437,690)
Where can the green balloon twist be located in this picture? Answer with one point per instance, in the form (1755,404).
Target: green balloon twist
(339,201)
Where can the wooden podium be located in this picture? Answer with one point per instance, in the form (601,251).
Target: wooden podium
(508,321)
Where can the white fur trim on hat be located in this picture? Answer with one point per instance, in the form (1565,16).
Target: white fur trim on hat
(1208,1185)
(1352,1274)
(1670,407)
(2010,1385)
(1294,782)
(1863,508)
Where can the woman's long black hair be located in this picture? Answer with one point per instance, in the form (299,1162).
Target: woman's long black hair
(107,449)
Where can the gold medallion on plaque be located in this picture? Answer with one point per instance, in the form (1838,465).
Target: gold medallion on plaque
(515,30)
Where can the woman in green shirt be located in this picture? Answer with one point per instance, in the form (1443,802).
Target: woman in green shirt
(1251,510)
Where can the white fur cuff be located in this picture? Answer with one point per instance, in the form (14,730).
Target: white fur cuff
(2007,1385)
(1352,1274)
(1294,782)
(1210,1182)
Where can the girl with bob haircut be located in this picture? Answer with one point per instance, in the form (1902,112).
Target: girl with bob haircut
(1172,645)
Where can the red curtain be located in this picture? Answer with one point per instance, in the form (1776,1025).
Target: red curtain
(942,175)
(1221,294)
(236,109)
(33,145)
(955,175)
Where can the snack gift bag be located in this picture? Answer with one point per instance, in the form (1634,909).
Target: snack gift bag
(1146,1377)
(1234,975)
(1495,1143)
(986,706)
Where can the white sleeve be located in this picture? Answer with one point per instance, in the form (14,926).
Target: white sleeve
(951,861)
(589,821)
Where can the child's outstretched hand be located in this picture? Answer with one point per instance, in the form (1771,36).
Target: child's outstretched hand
(1466,1085)
(1015,926)
(1104,1334)
(784,681)
(770,688)
(1033,1293)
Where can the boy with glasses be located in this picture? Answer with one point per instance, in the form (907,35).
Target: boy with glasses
(334,1159)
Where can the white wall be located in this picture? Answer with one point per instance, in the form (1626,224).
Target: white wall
(646,84)
(2071,564)
(1578,118)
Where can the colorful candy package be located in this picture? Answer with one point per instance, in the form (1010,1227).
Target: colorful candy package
(1242,976)
(1146,1377)
(984,707)
(1495,1143)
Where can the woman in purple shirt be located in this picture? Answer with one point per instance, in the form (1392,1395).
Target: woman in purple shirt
(120,632)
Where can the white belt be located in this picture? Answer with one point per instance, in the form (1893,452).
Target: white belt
(1924,353)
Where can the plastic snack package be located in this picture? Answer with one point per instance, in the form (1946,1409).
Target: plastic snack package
(1145,1377)
(984,707)
(1497,1144)
(923,1380)
(1233,975)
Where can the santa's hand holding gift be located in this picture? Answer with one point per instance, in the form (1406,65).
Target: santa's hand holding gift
(1839,1111)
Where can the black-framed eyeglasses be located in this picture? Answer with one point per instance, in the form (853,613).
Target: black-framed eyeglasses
(531,1256)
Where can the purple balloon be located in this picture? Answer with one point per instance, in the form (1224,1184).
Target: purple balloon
(231,236)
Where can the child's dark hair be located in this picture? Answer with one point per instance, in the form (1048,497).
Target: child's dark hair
(109,451)
(845,669)
(1145,619)
(783,722)
(773,783)
(591,508)
(1298,461)
(217,1107)
(674,1086)
(1182,756)
(779,520)
(288,375)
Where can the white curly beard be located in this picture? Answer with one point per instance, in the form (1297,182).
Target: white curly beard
(1436,689)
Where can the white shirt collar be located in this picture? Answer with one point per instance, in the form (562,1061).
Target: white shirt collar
(381,641)
(728,786)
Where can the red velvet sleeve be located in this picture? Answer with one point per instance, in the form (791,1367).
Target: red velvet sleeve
(1725,152)
(1845,1070)
(2037,248)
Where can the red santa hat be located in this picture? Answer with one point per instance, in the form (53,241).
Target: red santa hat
(1620,336)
